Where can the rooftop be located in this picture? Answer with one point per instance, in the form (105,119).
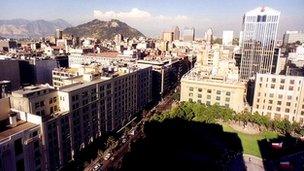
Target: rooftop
(9,131)
(30,90)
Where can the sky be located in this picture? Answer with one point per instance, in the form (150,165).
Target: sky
(151,17)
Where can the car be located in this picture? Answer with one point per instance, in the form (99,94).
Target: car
(96,167)
(107,156)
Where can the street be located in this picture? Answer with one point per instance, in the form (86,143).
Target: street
(116,158)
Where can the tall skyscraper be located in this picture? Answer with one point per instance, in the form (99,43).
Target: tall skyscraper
(188,34)
(260,28)
(227,37)
(58,34)
(209,35)
(176,33)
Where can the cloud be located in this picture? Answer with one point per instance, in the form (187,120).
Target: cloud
(137,15)
(133,14)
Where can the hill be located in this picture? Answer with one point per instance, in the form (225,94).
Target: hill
(103,29)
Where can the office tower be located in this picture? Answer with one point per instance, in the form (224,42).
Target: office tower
(168,36)
(260,28)
(58,34)
(209,36)
(188,34)
(292,37)
(176,33)
(279,97)
(227,37)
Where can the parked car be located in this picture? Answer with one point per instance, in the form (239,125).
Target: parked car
(107,156)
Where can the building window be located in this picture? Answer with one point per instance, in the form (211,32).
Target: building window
(271,95)
(209,91)
(292,81)
(190,94)
(191,88)
(282,81)
(199,101)
(281,87)
(36,105)
(218,92)
(218,98)
(288,103)
(290,88)
(208,96)
(199,95)
(278,109)
(287,110)
(270,101)
(227,99)
(18,146)
(272,86)
(279,102)
(280,96)
(289,97)
(269,107)
(228,93)
(208,103)
(200,90)
(190,100)
(227,105)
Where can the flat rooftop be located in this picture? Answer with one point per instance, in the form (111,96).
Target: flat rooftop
(29,90)
(9,131)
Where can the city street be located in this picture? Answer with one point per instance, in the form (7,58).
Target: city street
(118,155)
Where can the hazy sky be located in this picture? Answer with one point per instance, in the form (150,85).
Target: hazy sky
(153,16)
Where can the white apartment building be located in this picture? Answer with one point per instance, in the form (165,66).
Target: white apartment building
(227,37)
(279,97)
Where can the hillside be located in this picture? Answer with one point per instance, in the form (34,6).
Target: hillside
(103,29)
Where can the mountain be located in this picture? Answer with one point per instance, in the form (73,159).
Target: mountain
(21,28)
(103,29)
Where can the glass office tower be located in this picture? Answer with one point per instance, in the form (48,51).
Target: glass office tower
(260,28)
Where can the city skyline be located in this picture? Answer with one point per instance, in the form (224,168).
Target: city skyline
(152,18)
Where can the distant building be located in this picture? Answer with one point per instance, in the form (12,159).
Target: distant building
(58,34)
(297,57)
(176,33)
(279,97)
(168,36)
(209,36)
(292,37)
(227,38)
(259,39)
(241,38)
(188,34)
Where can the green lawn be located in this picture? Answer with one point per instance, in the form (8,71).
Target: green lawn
(250,142)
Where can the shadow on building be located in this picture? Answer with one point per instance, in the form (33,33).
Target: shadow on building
(176,144)
(277,151)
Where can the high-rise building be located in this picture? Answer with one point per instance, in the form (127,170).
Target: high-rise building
(58,34)
(168,36)
(209,36)
(227,37)
(176,33)
(241,38)
(188,34)
(260,28)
